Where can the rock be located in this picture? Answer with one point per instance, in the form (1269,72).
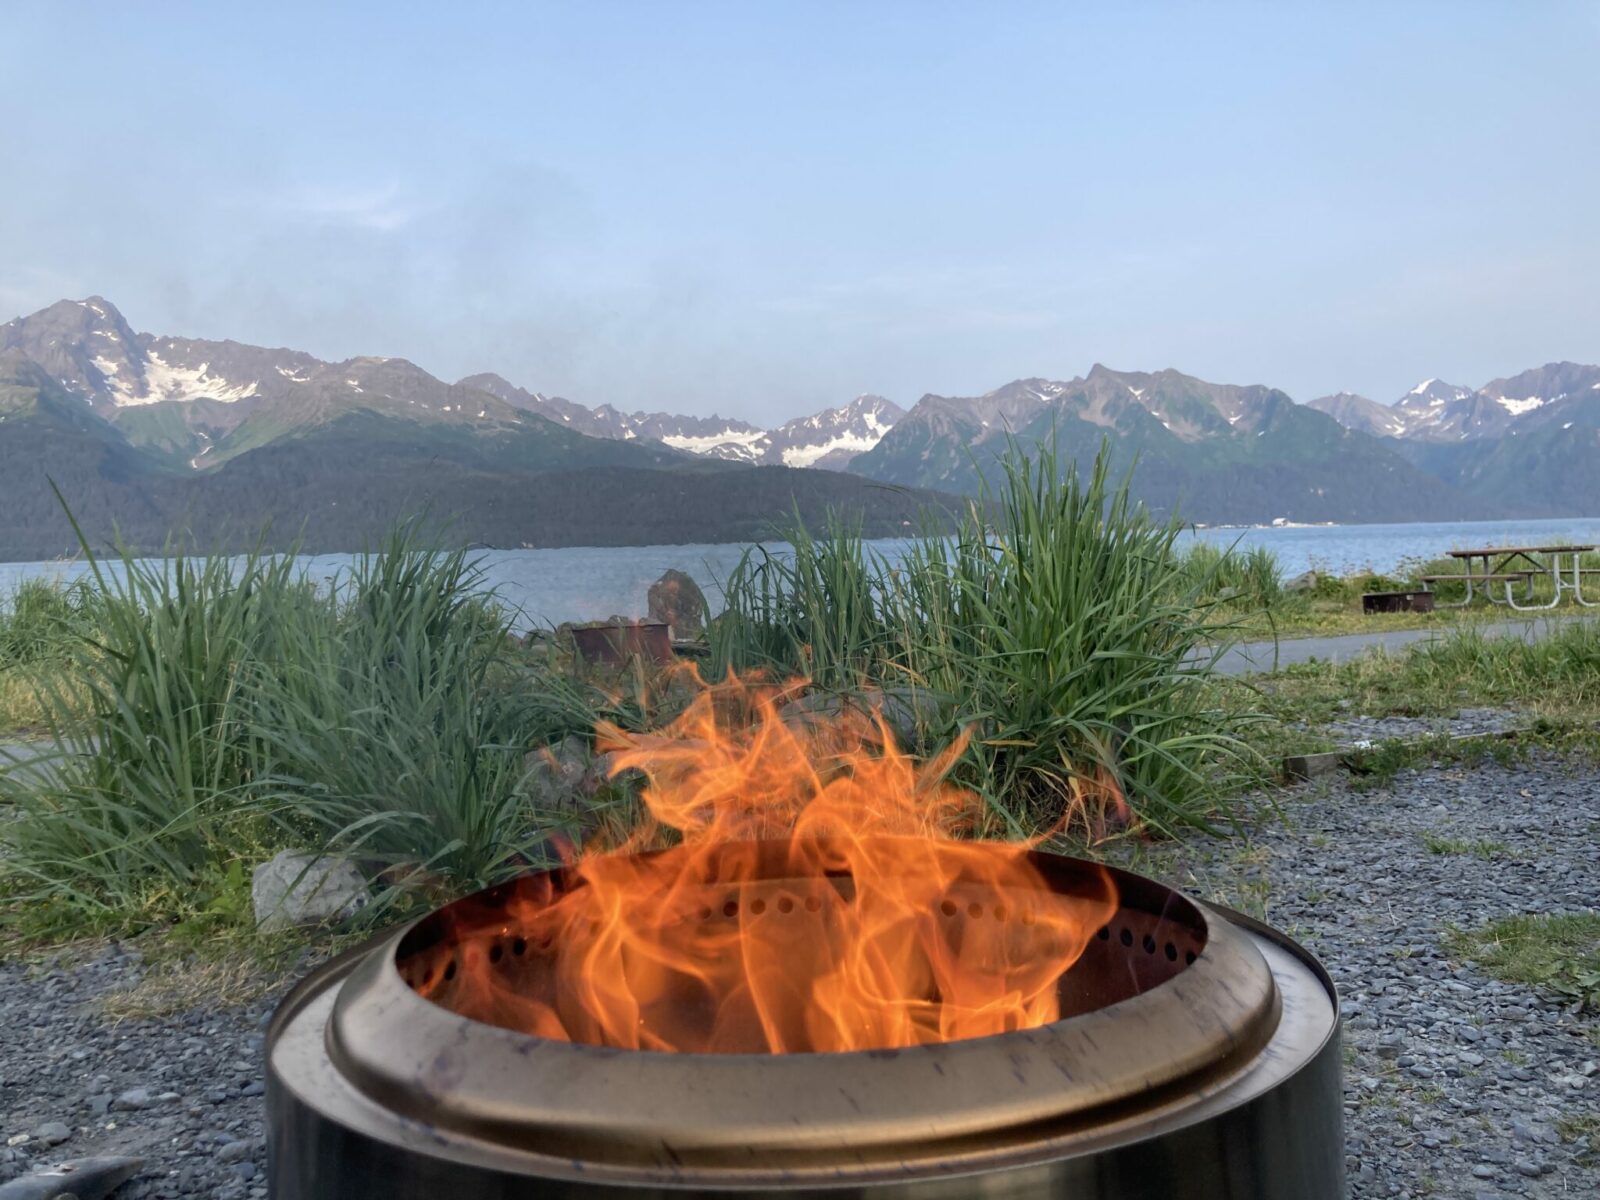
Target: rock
(1303,583)
(100,1105)
(558,775)
(133,1100)
(677,601)
(83,1178)
(53,1133)
(294,888)
(234,1151)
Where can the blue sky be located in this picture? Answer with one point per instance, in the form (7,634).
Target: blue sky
(764,209)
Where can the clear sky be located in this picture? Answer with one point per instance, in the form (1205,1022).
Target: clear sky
(762,209)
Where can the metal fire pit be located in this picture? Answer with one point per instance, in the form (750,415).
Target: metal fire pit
(1197,1056)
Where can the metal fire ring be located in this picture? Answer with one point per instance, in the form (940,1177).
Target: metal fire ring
(1216,1077)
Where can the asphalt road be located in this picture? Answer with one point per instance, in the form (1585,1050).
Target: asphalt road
(1253,658)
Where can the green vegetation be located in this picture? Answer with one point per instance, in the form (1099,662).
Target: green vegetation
(1248,581)
(1555,681)
(220,709)
(203,712)
(1330,604)
(40,622)
(1062,631)
(1476,847)
(1559,952)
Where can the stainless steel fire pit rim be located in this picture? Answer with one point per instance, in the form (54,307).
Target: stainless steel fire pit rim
(407,1053)
(1273,1133)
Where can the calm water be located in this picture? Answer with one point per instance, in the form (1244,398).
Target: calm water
(585,583)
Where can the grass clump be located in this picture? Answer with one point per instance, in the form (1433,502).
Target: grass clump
(41,623)
(1559,952)
(1245,580)
(1057,626)
(1476,847)
(41,620)
(222,708)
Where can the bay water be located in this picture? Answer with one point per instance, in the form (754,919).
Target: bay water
(585,583)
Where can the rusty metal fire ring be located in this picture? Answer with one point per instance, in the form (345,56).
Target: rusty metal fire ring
(1198,1057)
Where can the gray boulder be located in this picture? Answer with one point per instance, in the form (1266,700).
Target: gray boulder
(558,775)
(1303,583)
(83,1178)
(676,600)
(294,888)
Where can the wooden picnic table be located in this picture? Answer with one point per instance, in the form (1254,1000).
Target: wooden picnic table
(1497,568)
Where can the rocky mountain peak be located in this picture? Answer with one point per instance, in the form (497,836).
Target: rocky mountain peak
(1361,414)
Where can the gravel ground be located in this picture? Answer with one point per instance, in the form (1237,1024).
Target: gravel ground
(1467,721)
(1455,1084)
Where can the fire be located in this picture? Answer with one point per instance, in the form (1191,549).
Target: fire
(818,897)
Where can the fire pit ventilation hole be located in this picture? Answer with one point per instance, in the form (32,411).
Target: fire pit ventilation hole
(1105,933)
(947,907)
(1127,937)
(1149,944)
(731,909)
(497,952)
(450,970)
(757,907)
(1172,952)
(519,947)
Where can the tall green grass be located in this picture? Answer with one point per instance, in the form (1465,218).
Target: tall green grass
(40,620)
(221,708)
(385,731)
(1058,625)
(1241,578)
(153,749)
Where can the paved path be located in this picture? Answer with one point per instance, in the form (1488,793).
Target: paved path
(1251,658)
(12,751)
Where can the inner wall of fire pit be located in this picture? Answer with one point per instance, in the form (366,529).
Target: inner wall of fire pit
(1153,935)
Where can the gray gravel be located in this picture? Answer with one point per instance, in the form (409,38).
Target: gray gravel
(1358,731)
(182,1092)
(1455,1083)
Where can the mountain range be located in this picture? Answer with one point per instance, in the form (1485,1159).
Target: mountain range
(155,433)
(149,435)
(1529,443)
(1523,446)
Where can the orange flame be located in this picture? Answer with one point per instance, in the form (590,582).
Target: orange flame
(818,899)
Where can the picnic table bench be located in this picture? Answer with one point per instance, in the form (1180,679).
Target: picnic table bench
(1496,560)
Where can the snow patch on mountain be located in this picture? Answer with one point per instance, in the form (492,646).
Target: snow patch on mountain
(169,381)
(844,443)
(725,443)
(1517,407)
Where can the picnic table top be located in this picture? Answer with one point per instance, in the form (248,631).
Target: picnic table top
(1488,551)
